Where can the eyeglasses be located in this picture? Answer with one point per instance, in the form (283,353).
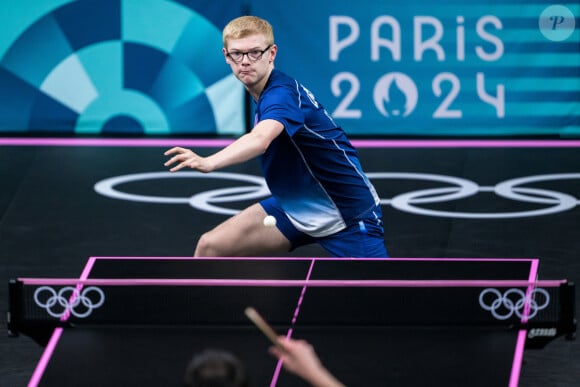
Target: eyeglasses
(254,55)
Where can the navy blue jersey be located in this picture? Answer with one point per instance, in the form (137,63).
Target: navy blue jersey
(311,168)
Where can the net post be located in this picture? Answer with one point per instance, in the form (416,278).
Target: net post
(567,310)
(14,313)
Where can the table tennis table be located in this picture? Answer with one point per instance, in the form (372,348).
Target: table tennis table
(374,322)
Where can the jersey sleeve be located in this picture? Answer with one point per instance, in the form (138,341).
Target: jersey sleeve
(282,104)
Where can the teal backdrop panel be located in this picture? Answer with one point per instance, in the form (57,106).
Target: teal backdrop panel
(117,66)
(381,68)
(424,68)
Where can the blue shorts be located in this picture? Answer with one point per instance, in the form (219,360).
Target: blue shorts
(361,239)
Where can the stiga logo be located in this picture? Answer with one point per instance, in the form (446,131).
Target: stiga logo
(542,332)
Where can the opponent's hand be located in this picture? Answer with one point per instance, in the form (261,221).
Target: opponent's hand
(186,158)
(300,358)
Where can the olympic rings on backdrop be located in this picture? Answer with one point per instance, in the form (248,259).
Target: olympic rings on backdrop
(412,202)
(503,306)
(67,299)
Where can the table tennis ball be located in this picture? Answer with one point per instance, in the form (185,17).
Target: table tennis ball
(269,221)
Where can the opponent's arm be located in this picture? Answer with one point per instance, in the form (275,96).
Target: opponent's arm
(300,358)
(246,147)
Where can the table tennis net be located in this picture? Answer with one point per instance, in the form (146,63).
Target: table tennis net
(372,303)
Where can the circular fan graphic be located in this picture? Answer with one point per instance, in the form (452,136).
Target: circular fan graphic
(128,66)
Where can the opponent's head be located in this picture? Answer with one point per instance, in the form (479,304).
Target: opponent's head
(215,368)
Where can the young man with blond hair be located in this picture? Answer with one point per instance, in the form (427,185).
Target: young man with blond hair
(320,193)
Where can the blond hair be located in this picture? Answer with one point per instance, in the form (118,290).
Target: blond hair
(245,26)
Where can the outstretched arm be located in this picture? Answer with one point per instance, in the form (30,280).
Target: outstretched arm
(246,147)
(300,358)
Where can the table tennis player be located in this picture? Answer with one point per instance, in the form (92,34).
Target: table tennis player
(319,192)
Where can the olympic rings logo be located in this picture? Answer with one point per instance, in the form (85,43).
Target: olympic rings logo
(203,201)
(69,299)
(413,202)
(503,306)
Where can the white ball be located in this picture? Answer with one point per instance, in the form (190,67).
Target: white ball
(269,221)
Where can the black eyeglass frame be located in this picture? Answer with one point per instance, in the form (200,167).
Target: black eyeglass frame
(247,53)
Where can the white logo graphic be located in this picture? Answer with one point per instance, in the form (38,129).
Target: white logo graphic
(202,201)
(69,299)
(395,95)
(503,306)
(542,332)
(456,188)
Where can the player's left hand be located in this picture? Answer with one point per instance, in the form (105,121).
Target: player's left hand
(186,158)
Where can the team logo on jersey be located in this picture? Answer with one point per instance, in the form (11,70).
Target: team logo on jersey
(310,96)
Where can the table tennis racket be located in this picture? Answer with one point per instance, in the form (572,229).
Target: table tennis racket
(266,329)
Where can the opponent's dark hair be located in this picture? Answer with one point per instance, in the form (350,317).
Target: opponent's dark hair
(215,368)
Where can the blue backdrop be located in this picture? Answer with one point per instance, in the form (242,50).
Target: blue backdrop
(462,68)
(117,66)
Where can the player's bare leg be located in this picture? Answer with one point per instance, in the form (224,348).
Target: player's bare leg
(244,234)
